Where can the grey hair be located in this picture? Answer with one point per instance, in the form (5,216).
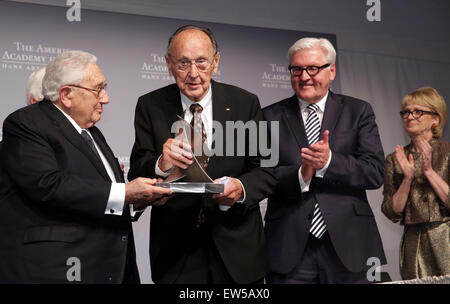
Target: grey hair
(66,68)
(205,30)
(34,85)
(308,43)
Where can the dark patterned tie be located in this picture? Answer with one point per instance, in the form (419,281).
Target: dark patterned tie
(198,128)
(91,144)
(312,127)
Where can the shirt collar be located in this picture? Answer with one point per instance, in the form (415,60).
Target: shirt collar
(321,103)
(75,125)
(205,102)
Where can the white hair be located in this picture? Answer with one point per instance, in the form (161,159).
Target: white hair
(34,85)
(66,68)
(308,43)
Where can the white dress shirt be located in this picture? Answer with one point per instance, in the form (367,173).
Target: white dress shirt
(207,118)
(116,199)
(304,185)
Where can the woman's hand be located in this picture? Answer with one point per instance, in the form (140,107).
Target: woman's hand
(425,149)
(406,164)
(439,185)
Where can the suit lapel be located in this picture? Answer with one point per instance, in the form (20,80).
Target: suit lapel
(108,153)
(71,134)
(222,112)
(295,121)
(333,109)
(110,158)
(173,106)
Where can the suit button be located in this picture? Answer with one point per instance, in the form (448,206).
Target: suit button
(111,211)
(308,217)
(124,238)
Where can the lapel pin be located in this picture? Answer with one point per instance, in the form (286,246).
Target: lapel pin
(227,109)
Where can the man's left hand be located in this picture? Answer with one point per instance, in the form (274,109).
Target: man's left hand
(232,193)
(317,154)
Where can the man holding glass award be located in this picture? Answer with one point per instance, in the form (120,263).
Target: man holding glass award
(202,238)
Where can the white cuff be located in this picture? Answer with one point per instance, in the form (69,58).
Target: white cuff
(320,173)
(116,199)
(161,173)
(241,201)
(304,185)
(224,207)
(133,211)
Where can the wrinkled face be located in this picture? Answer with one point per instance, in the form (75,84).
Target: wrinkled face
(86,107)
(311,88)
(421,126)
(193,49)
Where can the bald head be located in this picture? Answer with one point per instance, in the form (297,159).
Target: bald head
(192,59)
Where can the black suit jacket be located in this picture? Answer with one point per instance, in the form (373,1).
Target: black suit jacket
(357,164)
(53,198)
(237,233)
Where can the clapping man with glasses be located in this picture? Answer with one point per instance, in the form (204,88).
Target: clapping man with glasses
(197,238)
(67,213)
(319,225)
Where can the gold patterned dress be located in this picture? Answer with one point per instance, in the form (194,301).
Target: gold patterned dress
(425,245)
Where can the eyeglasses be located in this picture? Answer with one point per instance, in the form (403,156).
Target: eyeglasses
(201,64)
(312,70)
(416,113)
(96,91)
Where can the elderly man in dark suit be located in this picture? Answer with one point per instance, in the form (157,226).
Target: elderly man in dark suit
(197,238)
(66,211)
(319,225)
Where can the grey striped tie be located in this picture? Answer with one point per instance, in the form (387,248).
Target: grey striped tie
(312,128)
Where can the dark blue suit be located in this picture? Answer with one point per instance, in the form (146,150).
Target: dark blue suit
(357,165)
